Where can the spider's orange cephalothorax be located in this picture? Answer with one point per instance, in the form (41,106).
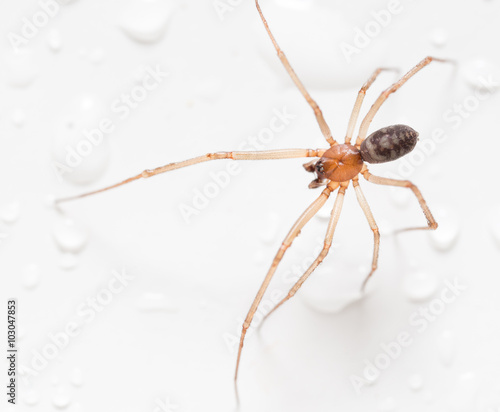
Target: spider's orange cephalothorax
(340,163)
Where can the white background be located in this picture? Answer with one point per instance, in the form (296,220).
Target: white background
(166,342)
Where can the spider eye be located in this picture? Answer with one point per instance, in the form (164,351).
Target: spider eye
(389,143)
(319,168)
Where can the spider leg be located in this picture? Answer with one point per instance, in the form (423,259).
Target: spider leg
(262,155)
(385,94)
(292,234)
(359,101)
(431,222)
(317,111)
(373,226)
(332,224)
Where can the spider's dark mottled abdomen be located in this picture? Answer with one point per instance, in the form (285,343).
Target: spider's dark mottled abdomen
(389,143)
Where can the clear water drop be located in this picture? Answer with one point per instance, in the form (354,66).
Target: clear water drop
(146,21)
(494,224)
(420,286)
(400,198)
(481,74)
(446,347)
(61,398)
(68,261)
(76,377)
(80,148)
(387,405)
(31,397)
(54,40)
(439,37)
(69,236)
(10,213)
(21,67)
(18,118)
(269,231)
(30,277)
(154,302)
(415,382)
(463,398)
(446,235)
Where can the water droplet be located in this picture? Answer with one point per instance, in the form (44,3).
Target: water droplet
(479,73)
(69,236)
(463,397)
(62,398)
(18,118)
(68,261)
(269,231)
(446,235)
(420,286)
(76,377)
(494,224)
(81,145)
(439,37)
(400,198)
(31,276)
(54,40)
(150,301)
(10,212)
(22,68)
(31,397)
(446,347)
(387,405)
(416,382)
(146,21)
(97,56)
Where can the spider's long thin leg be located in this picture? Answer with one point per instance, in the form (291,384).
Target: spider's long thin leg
(317,111)
(431,222)
(334,218)
(385,94)
(292,234)
(262,155)
(373,226)
(359,101)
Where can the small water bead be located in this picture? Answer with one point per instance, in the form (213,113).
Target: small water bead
(61,398)
(420,286)
(439,37)
(269,231)
(146,21)
(446,235)
(155,302)
(81,144)
(76,377)
(30,277)
(69,236)
(31,397)
(416,382)
(10,213)
(18,118)
(22,68)
(54,40)
(481,74)
(68,261)
(463,398)
(446,347)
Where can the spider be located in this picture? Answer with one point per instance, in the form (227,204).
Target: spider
(334,168)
